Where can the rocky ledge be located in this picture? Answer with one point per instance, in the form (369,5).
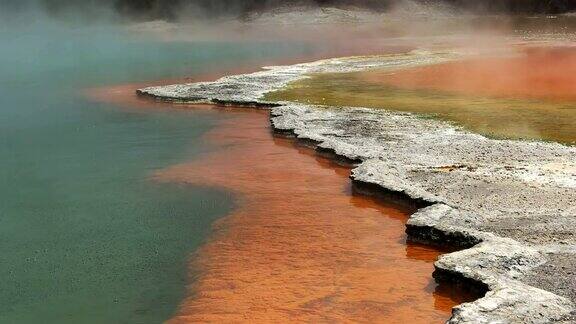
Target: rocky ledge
(510,204)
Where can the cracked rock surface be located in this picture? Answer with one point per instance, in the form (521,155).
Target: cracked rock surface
(512,203)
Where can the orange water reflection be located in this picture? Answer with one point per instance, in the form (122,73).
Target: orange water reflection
(536,73)
(300,246)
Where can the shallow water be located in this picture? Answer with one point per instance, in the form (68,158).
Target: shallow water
(86,236)
(529,96)
(301,246)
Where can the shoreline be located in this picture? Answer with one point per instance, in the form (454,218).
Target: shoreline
(123,94)
(497,258)
(443,295)
(303,246)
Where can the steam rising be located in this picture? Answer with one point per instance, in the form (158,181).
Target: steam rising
(171,9)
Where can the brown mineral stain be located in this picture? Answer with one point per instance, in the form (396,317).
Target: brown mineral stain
(301,247)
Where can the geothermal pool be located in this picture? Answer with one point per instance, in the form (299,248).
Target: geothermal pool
(86,235)
(110,203)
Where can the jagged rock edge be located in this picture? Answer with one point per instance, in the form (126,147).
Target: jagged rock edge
(499,294)
(420,228)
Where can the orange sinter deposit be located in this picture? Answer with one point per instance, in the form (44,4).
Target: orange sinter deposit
(536,73)
(301,247)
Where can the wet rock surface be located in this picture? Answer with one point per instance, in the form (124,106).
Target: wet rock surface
(512,204)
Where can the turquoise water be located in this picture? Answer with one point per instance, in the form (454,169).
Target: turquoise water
(85,235)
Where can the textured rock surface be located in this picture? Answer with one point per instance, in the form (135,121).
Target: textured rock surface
(249,88)
(518,199)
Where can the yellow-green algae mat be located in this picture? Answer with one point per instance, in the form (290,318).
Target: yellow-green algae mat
(511,118)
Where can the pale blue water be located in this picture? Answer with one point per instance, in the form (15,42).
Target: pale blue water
(85,235)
